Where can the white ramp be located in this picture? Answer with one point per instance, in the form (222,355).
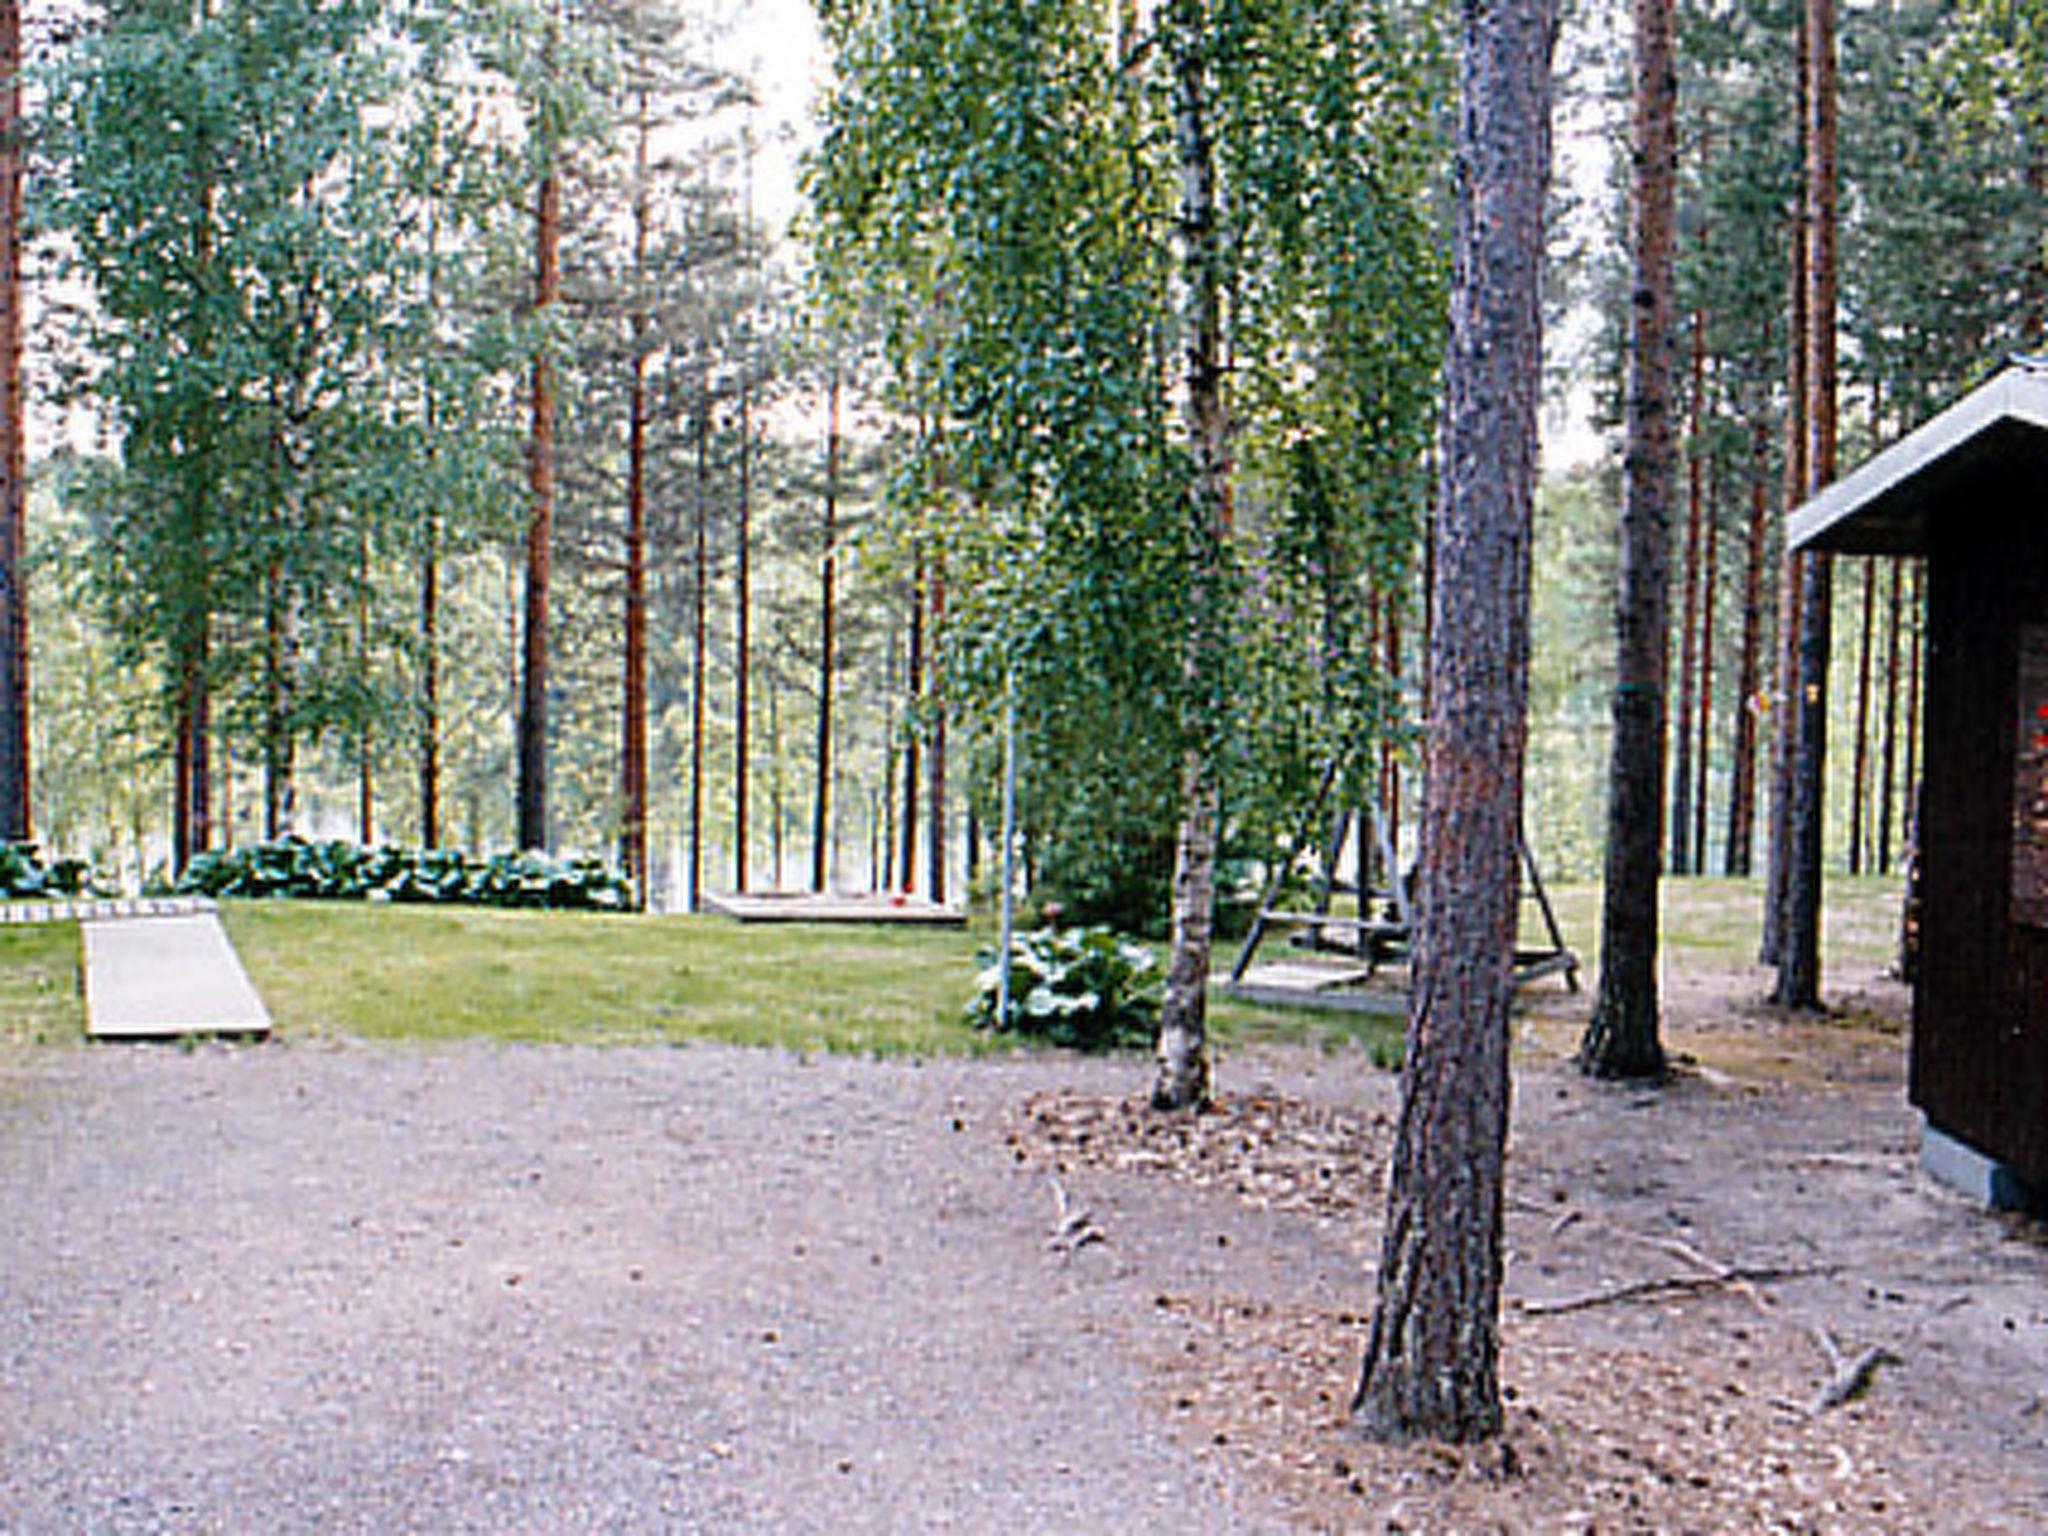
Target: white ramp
(151,977)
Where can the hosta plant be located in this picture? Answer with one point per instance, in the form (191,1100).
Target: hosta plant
(1086,988)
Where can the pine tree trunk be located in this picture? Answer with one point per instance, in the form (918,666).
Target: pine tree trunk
(1182,1082)
(1683,853)
(532,830)
(1432,1360)
(1798,984)
(828,640)
(1784,713)
(1888,750)
(279,668)
(743,635)
(1621,1038)
(936,840)
(1749,666)
(700,580)
(913,692)
(1860,817)
(14,660)
(430,682)
(633,713)
(1703,755)
(192,766)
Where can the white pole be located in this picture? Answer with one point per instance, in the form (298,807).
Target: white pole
(1009,922)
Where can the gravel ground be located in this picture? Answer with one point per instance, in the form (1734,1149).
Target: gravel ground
(304,1287)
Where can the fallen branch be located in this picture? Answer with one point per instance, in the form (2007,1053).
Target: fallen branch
(1733,1278)
(1851,1380)
(1076,1227)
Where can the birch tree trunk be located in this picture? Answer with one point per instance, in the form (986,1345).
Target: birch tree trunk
(1183,1049)
(1432,1361)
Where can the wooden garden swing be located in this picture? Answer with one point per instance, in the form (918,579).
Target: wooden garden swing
(1347,950)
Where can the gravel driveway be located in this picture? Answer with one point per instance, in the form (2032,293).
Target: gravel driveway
(305,1287)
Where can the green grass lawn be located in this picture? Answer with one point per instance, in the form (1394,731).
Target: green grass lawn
(1718,922)
(41,1001)
(424,973)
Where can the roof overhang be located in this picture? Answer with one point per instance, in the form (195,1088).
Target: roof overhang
(1996,432)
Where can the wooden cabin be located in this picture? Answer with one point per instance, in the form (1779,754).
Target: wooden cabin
(1969,492)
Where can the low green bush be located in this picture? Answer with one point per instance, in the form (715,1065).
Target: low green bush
(1085,988)
(24,875)
(342,871)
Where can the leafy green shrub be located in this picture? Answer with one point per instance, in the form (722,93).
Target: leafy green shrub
(1080,987)
(23,874)
(341,871)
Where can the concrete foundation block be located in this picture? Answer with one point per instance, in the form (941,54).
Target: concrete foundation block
(1976,1175)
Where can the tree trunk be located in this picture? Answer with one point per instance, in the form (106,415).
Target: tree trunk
(913,690)
(1183,1053)
(743,635)
(1683,853)
(540,466)
(1749,667)
(821,825)
(1710,577)
(430,682)
(1860,817)
(279,708)
(14,675)
(1432,1361)
(1798,984)
(700,565)
(192,770)
(1888,750)
(1784,713)
(774,779)
(1621,1038)
(633,713)
(936,841)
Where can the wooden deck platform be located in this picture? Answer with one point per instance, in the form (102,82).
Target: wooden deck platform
(834,907)
(164,977)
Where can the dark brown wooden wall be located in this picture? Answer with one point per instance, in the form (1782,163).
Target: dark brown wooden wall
(1980,1018)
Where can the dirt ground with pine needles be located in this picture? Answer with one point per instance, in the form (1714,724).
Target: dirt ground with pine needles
(333,1286)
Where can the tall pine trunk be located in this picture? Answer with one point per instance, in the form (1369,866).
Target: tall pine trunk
(936,840)
(540,526)
(1888,749)
(633,714)
(1183,1051)
(1785,713)
(1710,576)
(1432,1360)
(430,680)
(913,693)
(828,640)
(1749,665)
(1684,855)
(1621,1038)
(700,579)
(1860,818)
(14,675)
(1798,983)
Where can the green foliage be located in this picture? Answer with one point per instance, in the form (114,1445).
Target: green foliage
(293,867)
(24,874)
(1085,988)
(999,183)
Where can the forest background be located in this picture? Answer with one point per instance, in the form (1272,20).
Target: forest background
(296,325)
